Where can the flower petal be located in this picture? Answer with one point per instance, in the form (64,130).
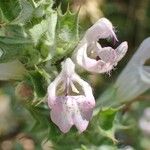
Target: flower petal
(96,66)
(61,114)
(79,122)
(52,91)
(87,91)
(135,78)
(103,28)
(92,65)
(68,67)
(121,50)
(77,113)
(107,54)
(86,107)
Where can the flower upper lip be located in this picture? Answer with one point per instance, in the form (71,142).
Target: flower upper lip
(102,29)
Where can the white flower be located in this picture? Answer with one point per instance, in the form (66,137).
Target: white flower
(92,56)
(71,99)
(135,78)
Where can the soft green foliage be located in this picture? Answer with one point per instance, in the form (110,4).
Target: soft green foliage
(38,82)
(66,35)
(10,9)
(107,122)
(25,13)
(41,35)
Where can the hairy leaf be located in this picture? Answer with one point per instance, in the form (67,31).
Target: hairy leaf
(25,13)
(10,8)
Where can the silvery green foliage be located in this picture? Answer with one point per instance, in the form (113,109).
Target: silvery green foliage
(135,78)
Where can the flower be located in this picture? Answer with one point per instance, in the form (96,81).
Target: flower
(92,56)
(135,78)
(70,99)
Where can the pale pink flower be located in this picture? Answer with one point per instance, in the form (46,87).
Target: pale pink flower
(92,56)
(135,78)
(70,99)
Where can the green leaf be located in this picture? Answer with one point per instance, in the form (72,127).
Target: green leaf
(9,40)
(16,44)
(14,31)
(43,126)
(25,13)
(11,51)
(41,121)
(38,30)
(62,4)
(107,116)
(38,83)
(10,9)
(2,18)
(66,36)
(41,115)
(52,21)
(39,11)
(101,147)
(67,27)
(47,27)
(107,125)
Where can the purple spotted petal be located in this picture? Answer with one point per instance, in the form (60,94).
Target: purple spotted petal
(61,114)
(71,110)
(107,54)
